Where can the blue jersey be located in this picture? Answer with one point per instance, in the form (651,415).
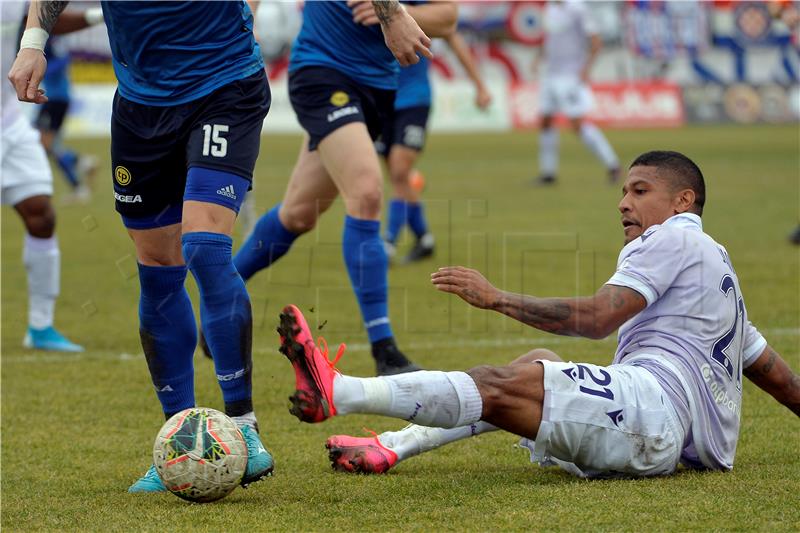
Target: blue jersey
(170,53)
(330,38)
(56,78)
(414,89)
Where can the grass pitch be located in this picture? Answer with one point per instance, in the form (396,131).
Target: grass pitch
(78,429)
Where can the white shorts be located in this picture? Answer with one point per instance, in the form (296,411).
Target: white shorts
(606,421)
(566,95)
(24,169)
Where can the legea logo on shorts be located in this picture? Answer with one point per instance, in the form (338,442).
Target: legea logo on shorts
(122,175)
(128,199)
(339,98)
(343,112)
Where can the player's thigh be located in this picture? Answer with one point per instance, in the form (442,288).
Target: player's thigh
(605,420)
(310,191)
(400,162)
(25,174)
(160,246)
(224,138)
(349,157)
(342,119)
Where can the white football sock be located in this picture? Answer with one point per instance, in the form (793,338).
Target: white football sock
(594,139)
(548,151)
(42,261)
(247,419)
(413,439)
(428,398)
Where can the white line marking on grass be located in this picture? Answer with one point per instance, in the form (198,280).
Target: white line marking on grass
(478,342)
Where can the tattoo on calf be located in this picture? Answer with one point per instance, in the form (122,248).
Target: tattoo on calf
(49,12)
(385,9)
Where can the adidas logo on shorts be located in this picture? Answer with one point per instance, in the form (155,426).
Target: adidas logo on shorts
(227,191)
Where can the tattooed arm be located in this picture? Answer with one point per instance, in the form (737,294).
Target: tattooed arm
(402,34)
(28,70)
(594,317)
(44,14)
(771,373)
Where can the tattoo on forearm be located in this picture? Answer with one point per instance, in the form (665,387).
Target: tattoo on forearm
(794,386)
(385,9)
(49,12)
(546,314)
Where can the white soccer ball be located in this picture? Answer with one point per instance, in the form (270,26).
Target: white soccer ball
(277,23)
(200,454)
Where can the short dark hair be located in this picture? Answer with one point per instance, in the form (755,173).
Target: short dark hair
(683,173)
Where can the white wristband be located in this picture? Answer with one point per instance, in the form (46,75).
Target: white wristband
(93,16)
(34,38)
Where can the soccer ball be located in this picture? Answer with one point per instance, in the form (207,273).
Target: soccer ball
(200,455)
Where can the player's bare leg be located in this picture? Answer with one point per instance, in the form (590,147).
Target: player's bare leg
(349,157)
(309,193)
(379,453)
(42,260)
(401,162)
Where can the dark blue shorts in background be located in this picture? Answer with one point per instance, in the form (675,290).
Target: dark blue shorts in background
(152,147)
(52,114)
(324,100)
(406,127)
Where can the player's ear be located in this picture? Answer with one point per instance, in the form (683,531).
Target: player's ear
(684,200)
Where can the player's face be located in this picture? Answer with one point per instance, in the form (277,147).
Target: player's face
(646,201)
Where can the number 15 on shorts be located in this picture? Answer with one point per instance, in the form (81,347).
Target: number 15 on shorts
(214,144)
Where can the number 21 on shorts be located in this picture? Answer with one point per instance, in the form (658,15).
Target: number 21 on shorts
(214,144)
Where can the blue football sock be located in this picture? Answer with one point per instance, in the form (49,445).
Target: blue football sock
(366,263)
(416,219)
(396,219)
(268,242)
(67,160)
(225,315)
(169,335)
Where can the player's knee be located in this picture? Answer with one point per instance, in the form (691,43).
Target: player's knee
(40,219)
(300,219)
(494,384)
(399,176)
(367,200)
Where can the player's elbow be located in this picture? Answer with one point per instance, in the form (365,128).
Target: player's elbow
(598,328)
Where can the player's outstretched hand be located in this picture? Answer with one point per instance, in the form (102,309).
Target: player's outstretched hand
(468,284)
(26,74)
(401,32)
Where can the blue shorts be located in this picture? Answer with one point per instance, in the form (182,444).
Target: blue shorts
(51,115)
(324,100)
(153,148)
(406,127)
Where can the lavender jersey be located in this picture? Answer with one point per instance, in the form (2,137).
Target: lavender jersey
(693,336)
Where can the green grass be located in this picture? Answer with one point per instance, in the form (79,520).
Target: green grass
(78,429)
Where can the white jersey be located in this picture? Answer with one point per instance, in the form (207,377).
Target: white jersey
(694,335)
(567,28)
(11,15)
